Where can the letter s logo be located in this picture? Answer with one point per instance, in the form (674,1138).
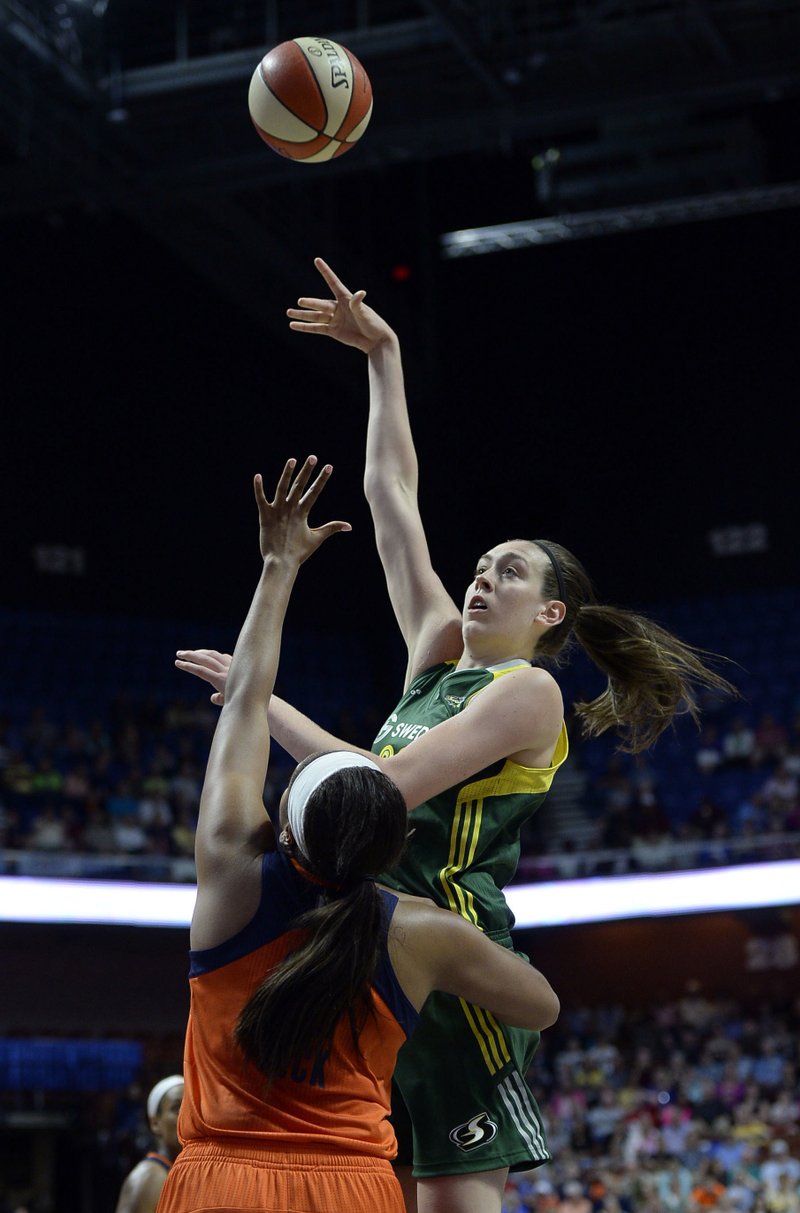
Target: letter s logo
(478,1131)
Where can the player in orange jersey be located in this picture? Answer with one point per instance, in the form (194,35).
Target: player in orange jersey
(142,1186)
(306,976)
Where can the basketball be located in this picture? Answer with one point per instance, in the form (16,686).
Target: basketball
(310,99)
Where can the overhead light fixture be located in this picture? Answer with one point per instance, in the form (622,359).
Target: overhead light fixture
(580,225)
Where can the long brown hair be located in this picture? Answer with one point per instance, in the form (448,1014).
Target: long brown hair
(355,825)
(652,675)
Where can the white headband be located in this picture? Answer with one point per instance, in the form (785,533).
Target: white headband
(159,1091)
(306,783)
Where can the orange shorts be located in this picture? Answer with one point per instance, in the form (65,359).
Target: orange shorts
(209,1177)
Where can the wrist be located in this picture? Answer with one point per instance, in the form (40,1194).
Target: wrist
(384,353)
(280,562)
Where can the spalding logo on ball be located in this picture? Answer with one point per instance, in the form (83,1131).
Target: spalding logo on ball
(310,99)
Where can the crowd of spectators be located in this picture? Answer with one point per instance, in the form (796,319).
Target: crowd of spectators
(724,794)
(684,1107)
(125,789)
(691,1106)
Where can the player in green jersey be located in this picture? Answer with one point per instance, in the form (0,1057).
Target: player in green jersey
(473,746)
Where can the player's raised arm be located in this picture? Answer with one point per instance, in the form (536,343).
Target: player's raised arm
(231,827)
(428,618)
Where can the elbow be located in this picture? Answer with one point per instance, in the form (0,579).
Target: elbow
(553,1010)
(548,1008)
(375,486)
(385,488)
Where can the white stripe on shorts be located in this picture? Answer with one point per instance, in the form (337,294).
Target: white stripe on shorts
(516,1099)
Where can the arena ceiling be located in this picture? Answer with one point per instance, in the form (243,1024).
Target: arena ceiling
(138,108)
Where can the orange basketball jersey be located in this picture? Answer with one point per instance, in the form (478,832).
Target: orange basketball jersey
(338,1099)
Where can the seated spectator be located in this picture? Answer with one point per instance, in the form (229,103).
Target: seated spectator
(771,739)
(749,816)
(574,1200)
(618,827)
(738,745)
(129,835)
(783,1199)
(769,1068)
(705,817)
(749,1125)
(186,784)
(182,833)
(606,1054)
(157,778)
(791,757)
(98,836)
(674,1184)
(155,812)
(603,1117)
(48,831)
(731,1087)
(708,1193)
(716,851)
(17,777)
(709,1107)
(77,785)
(568,860)
(644,779)
(743,1190)
(675,1123)
(46,781)
(123,802)
(640,1140)
(651,851)
(708,755)
(780,792)
(11,830)
(779,1163)
(615,787)
(784,1110)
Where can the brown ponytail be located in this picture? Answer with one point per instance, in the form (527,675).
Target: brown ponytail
(652,675)
(355,825)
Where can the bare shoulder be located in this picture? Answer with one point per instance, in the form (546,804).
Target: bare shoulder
(416,917)
(528,705)
(142,1188)
(524,683)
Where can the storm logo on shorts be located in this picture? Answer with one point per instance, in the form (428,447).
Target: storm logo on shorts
(478,1131)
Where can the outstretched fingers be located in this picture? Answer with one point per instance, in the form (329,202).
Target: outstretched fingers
(297,490)
(335,283)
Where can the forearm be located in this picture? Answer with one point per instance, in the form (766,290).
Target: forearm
(300,736)
(391,457)
(255,658)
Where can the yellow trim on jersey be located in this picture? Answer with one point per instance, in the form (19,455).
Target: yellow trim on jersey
(464,834)
(512,778)
(489,1035)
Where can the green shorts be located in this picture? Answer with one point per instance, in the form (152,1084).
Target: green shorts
(460,1103)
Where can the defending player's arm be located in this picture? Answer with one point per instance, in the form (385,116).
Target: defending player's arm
(434,949)
(428,618)
(519,716)
(232,825)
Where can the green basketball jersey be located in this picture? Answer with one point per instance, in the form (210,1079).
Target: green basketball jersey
(465,843)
